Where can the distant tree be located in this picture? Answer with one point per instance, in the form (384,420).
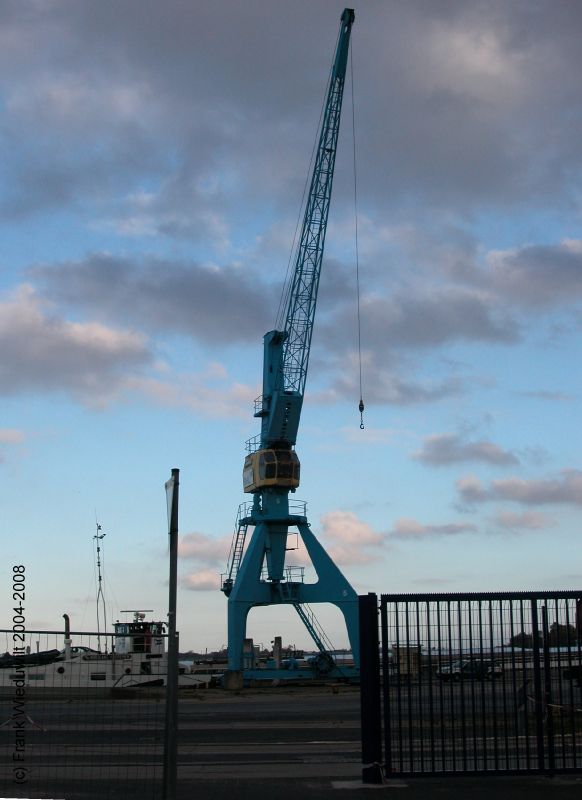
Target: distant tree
(562,635)
(522,640)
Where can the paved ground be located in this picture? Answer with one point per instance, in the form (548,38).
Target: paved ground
(288,744)
(324,788)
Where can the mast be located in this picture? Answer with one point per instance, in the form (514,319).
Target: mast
(100,596)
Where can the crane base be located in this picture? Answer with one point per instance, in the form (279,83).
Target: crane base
(233,680)
(275,677)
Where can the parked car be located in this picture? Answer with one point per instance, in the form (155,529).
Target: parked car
(475,669)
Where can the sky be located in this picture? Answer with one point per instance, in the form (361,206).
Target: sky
(154,159)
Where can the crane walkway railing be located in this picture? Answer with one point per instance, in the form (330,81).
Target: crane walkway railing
(253,444)
(297,508)
(294,575)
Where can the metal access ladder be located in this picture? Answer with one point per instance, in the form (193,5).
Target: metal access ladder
(314,627)
(236,548)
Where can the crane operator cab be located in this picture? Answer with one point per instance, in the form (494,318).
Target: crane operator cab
(271,468)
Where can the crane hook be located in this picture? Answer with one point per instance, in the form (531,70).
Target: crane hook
(361,410)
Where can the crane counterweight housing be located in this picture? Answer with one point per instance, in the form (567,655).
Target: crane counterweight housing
(271,468)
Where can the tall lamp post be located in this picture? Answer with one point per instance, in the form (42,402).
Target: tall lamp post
(171,730)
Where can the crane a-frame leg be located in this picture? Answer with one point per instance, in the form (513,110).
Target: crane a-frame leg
(250,590)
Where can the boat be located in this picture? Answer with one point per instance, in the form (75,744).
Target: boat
(138,660)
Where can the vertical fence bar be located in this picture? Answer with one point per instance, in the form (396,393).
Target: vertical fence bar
(386,674)
(514,688)
(398,685)
(578,616)
(370,696)
(430,685)
(462,685)
(576,637)
(538,684)
(526,681)
(485,700)
(493,699)
(409,676)
(420,684)
(558,668)
(548,692)
(501,680)
(471,658)
(442,704)
(451,687)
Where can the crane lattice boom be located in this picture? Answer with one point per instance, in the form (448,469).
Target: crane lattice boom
(286,352)
(303,294)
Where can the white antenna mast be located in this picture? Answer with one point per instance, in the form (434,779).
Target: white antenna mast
(100,596)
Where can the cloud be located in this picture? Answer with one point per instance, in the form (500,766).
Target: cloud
(202,581)
(217,305)
(45,353)
(211,397)
(210,555)
(526,521)
(551,396)
(407,528)
(392,383)
(448,448)
(70,102)
(150,215)
(538,276)
(11,436)
(418,320)
(228,305)
(465,49)
(471,489)
(348,540)
(207,550)
(110,81)
(88,96)
(565,489)
(436,89)
(97,364)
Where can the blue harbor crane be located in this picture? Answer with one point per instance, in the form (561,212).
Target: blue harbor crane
(258,575)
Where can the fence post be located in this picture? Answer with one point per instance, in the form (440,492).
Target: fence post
(370,695)
(171,725)
(548,692)
(537,652)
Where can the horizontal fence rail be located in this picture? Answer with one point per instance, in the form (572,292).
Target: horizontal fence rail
(478,683)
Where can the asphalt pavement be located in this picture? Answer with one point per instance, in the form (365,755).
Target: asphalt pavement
(284,743)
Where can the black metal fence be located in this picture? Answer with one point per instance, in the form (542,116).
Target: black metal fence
(65,732)
(471,683)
